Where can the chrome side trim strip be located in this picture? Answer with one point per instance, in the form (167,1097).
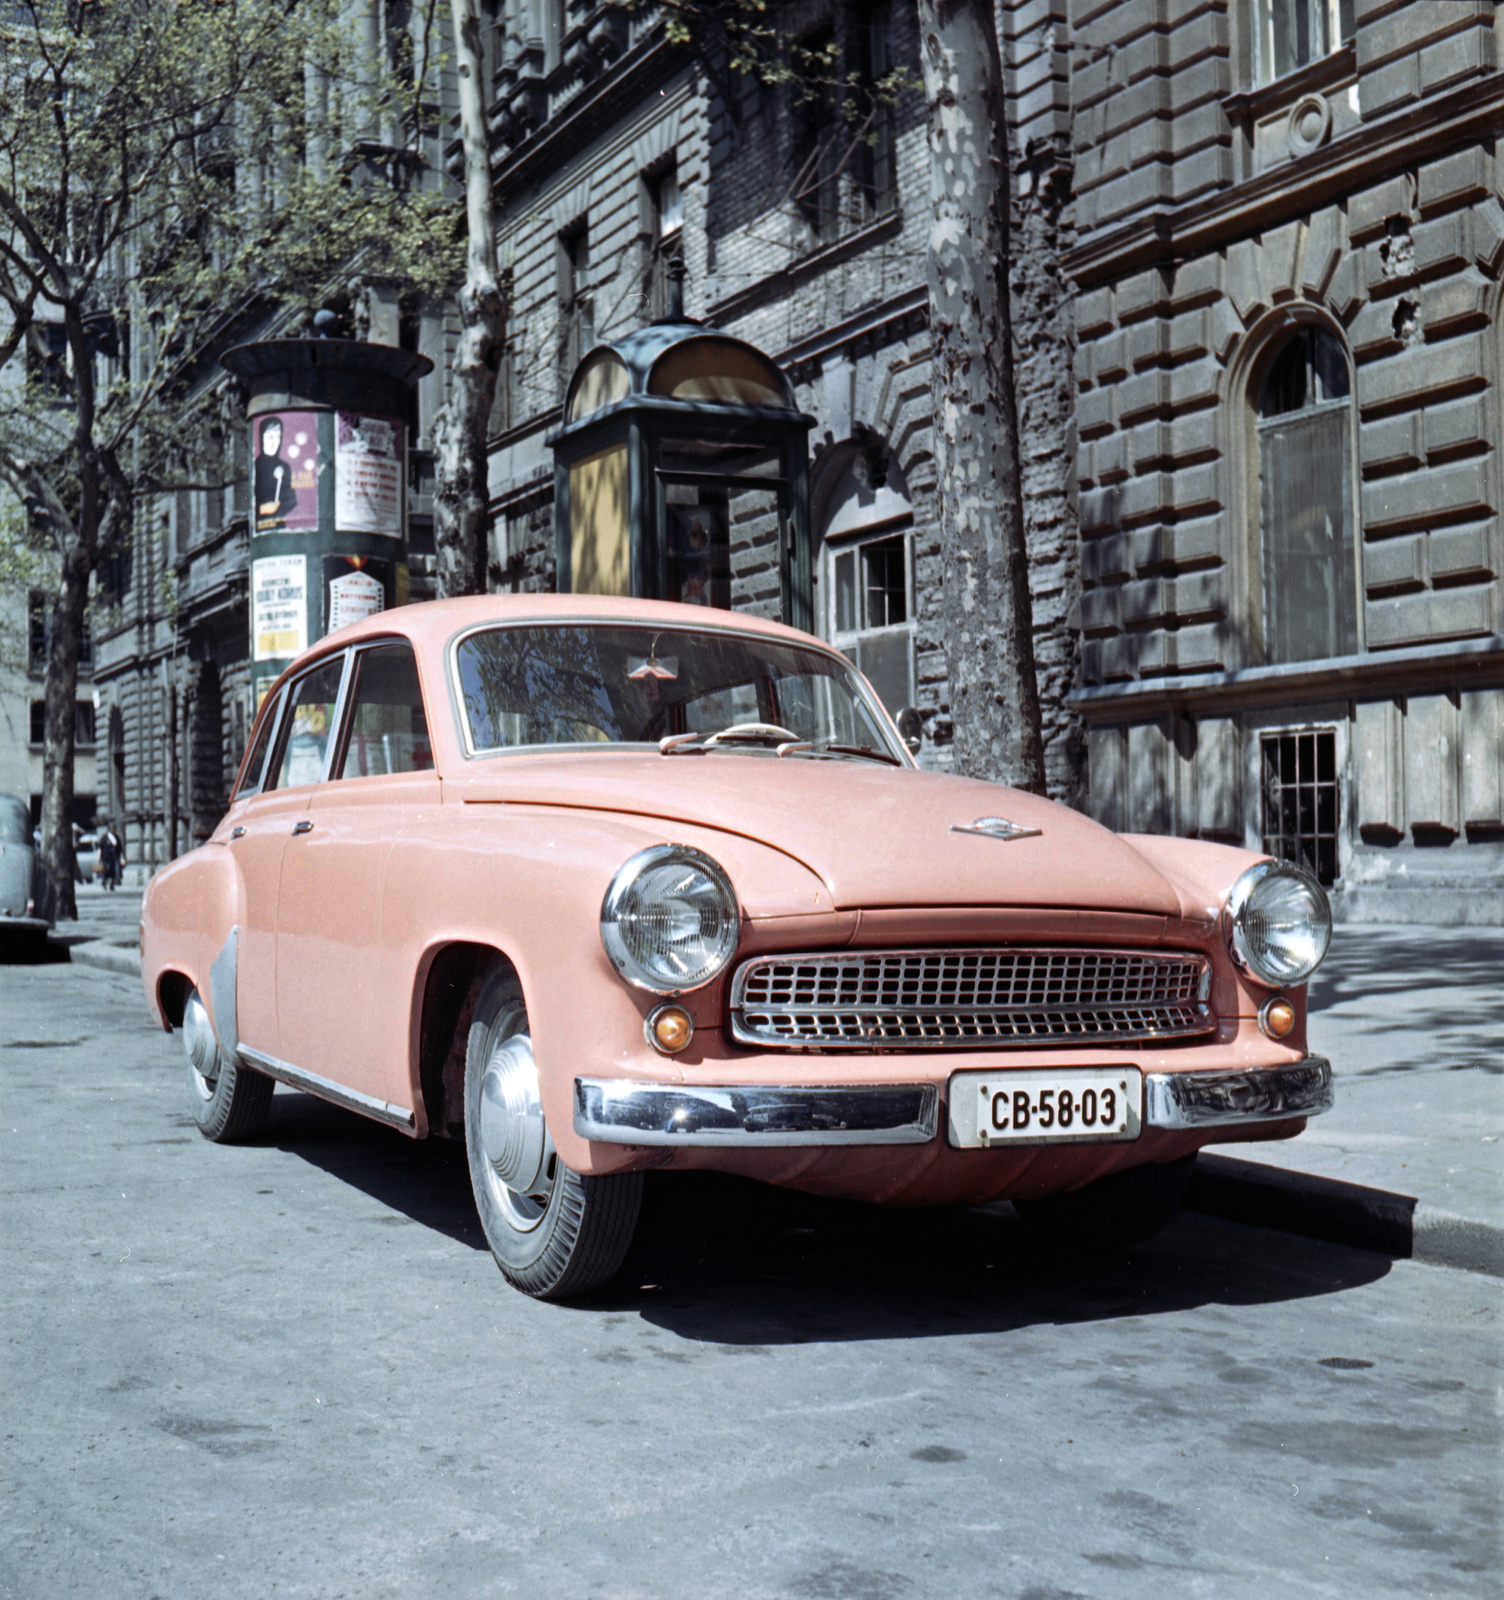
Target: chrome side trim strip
(1230,1099)
(763,1116)
(336,1093)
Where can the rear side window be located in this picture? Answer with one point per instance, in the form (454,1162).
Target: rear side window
(310,722)
(255,767)
(388,726)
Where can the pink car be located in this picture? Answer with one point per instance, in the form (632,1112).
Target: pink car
(603,886)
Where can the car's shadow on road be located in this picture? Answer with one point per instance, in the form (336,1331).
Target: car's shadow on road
(731,1262)
(424,1179)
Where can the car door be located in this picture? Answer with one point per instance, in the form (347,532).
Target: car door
(270,822)
(342,1007)
(255,837)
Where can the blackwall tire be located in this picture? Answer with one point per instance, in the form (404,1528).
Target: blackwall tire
(1121,1209)
(229,1101)
(554,1233)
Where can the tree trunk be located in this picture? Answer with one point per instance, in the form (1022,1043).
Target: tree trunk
(60,721)
(988,625)
(461,492)
(174,773)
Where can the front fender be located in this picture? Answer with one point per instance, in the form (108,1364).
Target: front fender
(528,881)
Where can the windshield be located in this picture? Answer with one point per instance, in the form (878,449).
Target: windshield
(583,684)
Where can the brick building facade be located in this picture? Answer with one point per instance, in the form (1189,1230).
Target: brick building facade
(804,233)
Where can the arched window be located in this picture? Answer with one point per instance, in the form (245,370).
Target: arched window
(1305,501)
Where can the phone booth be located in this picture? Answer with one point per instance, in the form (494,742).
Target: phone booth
(681,472)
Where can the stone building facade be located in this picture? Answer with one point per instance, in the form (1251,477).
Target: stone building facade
(1257,258)
(172,681)
(804,233)
(1288,259)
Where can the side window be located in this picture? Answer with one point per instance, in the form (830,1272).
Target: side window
(388,728)
(310,720)
(256,764)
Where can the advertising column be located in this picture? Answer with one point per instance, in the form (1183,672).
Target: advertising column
(328,439)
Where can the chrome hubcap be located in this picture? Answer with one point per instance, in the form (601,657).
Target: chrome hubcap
(516,1149)
(202,1047)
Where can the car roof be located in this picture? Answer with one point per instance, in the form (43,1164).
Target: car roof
(433,622)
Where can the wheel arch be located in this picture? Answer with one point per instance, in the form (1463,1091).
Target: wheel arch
(173,989)
(448,980)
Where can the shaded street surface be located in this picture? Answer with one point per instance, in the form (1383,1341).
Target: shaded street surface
(291,1368)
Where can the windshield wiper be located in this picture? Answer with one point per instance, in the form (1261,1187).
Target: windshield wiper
(737,733)
(861,750)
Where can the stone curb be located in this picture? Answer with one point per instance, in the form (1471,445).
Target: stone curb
(111,957)
(1343,1213)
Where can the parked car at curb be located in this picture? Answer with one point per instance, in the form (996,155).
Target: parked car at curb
(25,905)
(603,886)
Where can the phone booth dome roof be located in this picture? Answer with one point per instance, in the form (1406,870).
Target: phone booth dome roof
(683,361)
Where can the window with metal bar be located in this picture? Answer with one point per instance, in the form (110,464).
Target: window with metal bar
(1301,808)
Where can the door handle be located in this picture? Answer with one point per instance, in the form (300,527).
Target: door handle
(305,826)
(237,833)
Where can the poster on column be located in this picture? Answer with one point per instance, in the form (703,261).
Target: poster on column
(279,607)
(356,587)
(368,470)
(286,475)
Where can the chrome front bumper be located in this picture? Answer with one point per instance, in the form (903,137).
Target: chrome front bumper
(1235,1099)
(622,1111)
(618,1111)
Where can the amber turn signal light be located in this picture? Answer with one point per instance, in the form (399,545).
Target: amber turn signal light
(1277,1017)
(669,1029)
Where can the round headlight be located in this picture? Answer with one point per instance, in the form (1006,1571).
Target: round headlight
(670,920)
(1278,923)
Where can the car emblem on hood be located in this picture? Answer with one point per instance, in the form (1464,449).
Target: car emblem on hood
(996,828)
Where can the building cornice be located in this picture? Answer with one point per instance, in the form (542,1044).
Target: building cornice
(886,320)
(621,88)
(1281,193)
(1430,669)
(786,279)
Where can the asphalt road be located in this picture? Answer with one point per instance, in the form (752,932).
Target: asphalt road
(291,1369)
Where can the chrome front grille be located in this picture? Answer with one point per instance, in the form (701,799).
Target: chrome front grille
(949,999)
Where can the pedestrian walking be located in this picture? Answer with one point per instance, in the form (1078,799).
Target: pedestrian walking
(112,857)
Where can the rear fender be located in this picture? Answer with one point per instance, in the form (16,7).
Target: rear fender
(189,920)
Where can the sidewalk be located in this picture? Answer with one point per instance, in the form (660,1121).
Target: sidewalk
(1412,1020)
(106,932)
(1410,1161)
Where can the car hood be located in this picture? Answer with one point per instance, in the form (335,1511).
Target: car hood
(876,835)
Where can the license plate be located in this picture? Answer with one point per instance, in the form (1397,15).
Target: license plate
(1069,1105)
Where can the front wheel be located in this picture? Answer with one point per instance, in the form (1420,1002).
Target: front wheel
(229,1101)
(554,1232)
(1118,1210)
